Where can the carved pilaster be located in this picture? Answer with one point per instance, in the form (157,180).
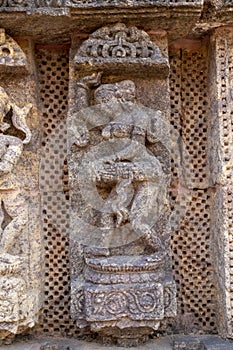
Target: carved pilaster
(221,158)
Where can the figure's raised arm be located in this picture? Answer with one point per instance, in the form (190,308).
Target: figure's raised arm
(83,89)
(79,134)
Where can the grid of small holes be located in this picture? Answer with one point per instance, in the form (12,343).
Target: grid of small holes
(194,113)
(53,79)
(192,264)
(191,241)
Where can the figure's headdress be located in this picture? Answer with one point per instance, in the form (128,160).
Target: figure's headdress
(124,91)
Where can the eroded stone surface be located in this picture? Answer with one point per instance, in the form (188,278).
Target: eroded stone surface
(164,343)
(121,149)
(27,4)
(19,299)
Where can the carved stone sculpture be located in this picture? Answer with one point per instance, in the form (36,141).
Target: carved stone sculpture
(119,232)
(19,299)
(126,289)
(13,218)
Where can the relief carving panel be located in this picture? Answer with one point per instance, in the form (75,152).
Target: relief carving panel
(119,169)
(19,300)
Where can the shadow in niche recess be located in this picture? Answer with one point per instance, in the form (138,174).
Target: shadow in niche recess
(6,219)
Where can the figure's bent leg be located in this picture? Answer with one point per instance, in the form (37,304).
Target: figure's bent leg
(16,207)
(144,212)
(119,206)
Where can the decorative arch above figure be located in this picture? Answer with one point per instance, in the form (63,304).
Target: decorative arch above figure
(121,49)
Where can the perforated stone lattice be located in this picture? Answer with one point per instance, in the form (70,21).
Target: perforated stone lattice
(190,244)
(53,67)
(190,111)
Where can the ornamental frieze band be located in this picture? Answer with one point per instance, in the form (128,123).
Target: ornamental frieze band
(28,5)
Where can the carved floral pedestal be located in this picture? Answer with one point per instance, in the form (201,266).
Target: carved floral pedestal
(127,297)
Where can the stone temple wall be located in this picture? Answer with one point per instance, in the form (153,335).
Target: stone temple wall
(68,185)
(191,244)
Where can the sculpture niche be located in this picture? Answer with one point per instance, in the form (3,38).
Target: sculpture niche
(122,285)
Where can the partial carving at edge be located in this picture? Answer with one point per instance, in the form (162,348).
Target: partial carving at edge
(24,5)
(14,298)
(11,55)
(121,49)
